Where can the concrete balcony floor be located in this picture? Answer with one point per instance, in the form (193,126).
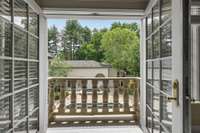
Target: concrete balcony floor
(97,129)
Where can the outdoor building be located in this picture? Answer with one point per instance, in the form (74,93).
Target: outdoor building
(165,98)
(90,68)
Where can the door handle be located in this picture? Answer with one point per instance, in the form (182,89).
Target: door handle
(175,92)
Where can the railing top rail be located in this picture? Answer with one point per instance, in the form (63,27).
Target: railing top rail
(94,78)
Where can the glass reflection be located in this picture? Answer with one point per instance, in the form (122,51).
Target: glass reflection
(5,12)
(166,112)
(33,99)
(5,38)
(166,37)
(156,125)
(33,22)
(149,120)
(149,72)
(20,13)
(149,95)
(149,24)
(155,17)
(33,47)
(195,10)
(167,76)
(5,122)
(19,106)
(156,102)
(156,74)
(21,128)
(20,43)
(5,77)
(165,10)
(149,49)
(156,45)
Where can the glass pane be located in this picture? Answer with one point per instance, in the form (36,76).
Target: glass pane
(33,47)
(195,10)
(20,13)
(149,95)
(20,41)
(149,49)
(33,22)
(5,121)
(33,81)
(19,106)
(156,102)
(156,125)
(166,38)
(20,70)
(20,84)
(5,38)
(149,25)
(149,120)
(33,98)
(162,130)
(156,45)
(155,17)
(149,72)
(33,70)
(5,11)
(21,128)
(167,76)
(165,10)
(5,76)
(156,74)
(33,122)
(166,112)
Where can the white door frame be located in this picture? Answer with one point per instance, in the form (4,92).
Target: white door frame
(43,67)
(66,14)
(177,62)
(181,63)
(180,66)
(43,101)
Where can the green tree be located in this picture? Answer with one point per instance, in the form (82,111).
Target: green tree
(72,38)
(86,34)
(131,26)
(87,52)
(92,50)
(57,67)
(121,49)
(53,40)
(96,41)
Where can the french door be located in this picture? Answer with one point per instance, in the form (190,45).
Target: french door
(19,67)
(166,64)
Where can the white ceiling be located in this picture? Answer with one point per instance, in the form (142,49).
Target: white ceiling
(94,4)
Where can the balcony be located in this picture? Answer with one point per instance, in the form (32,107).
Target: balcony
(85,102)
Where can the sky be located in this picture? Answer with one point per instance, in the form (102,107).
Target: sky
(91,23)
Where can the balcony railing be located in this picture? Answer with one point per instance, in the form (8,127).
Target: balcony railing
(93,101)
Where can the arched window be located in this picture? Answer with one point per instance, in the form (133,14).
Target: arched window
(100,75)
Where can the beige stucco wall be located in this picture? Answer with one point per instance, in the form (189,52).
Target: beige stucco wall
(86,72)
(112,72)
